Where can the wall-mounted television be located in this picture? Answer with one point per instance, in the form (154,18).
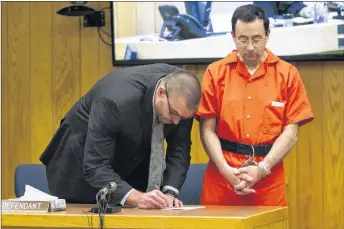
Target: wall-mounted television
(200,32)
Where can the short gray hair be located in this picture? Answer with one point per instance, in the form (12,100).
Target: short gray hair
(185,84)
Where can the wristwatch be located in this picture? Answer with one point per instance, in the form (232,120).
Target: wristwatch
(170,192)
(264,167)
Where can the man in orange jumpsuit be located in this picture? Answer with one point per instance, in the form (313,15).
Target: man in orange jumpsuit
(251,101)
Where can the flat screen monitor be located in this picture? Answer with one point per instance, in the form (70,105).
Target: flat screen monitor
(201,32)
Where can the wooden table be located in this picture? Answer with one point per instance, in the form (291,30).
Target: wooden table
(76,216)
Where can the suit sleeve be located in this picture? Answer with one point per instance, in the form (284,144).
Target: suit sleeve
(178,154)
(100,148)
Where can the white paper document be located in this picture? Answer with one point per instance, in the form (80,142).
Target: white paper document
(184,208)
(33,194)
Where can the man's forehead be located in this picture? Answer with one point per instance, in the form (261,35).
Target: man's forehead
(179,101)
(179,104)
(254,22)
(256,26)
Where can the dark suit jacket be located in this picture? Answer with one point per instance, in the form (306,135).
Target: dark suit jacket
(106,137)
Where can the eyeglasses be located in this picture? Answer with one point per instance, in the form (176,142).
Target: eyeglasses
(172,111)
(255,42)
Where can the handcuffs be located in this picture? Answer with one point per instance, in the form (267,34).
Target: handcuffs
(261,164)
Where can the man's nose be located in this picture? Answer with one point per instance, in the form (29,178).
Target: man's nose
(250,46)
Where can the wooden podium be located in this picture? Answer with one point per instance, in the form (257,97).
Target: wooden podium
(77,216)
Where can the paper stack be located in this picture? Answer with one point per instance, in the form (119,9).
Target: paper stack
(34,200)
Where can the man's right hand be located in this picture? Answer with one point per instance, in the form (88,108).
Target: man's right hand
(228,173)
(151,200)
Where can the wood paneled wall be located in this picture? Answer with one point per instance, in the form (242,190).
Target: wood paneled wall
(49,61)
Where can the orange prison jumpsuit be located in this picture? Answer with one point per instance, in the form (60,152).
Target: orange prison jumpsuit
(243,105)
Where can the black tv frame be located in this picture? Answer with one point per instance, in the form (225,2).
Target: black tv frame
(205,61)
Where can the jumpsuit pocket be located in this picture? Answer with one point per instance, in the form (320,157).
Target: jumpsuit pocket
(273,119)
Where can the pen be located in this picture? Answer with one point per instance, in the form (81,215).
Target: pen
(157,188)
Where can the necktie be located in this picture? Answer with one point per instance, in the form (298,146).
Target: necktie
(157,163)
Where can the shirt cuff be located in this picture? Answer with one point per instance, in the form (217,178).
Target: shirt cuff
(126,197)
(168,187)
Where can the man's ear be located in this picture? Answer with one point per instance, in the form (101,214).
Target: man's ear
(233,36)
(161,91)
(268,35)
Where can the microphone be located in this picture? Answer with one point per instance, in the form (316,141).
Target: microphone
(103,199)
(111,187)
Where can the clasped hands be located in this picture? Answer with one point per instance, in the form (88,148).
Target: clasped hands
(242,179)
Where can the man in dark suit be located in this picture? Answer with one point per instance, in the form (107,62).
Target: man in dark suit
(106,137)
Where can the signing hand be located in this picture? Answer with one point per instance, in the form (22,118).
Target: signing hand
(151,200)
(172,201)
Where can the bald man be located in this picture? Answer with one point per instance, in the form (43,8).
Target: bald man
(115,133)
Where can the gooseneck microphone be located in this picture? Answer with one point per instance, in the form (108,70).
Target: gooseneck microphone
(106,192)
(103,199)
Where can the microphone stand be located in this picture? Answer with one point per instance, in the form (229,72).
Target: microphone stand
(340,7)
(103,203)
(339,12)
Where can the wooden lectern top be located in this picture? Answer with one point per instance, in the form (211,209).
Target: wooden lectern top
(77,216)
